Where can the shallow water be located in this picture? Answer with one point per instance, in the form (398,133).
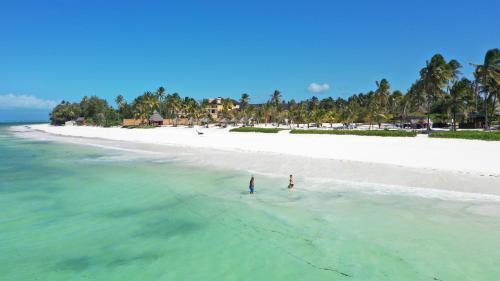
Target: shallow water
(70,212)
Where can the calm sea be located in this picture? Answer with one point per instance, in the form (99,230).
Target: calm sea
(72,212)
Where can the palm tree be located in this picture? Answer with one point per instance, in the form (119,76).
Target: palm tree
(403,107)
(460,98)
(488,79)
(317,116)
(381,100)
(245,99)
(141,112)
(227,107)
(119,100)
(434,77)
(301,115)
(276,99)
(267,112)
(151,101)
(330,117)
(173,104)
(160,93)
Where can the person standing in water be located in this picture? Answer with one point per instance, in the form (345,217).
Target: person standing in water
(251,186)
(290,182)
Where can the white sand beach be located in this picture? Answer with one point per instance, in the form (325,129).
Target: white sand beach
(452,164)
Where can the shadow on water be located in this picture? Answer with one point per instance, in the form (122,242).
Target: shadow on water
(35,197)
(147,257)
(168,228)
(136,211)
(77,264)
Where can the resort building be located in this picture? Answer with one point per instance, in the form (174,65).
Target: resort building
(217,105)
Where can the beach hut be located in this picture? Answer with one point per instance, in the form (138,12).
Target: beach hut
(251,121)
(156,119)
(234,121)
(244,121)
(80,121)
(223,122)
(205,121)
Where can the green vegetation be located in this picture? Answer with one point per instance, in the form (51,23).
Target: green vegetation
(96,111)
(138,127)
(440,93)
(470,135)
(378,133)
(256,130)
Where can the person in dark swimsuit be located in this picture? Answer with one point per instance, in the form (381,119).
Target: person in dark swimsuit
(251,186)
(290,182)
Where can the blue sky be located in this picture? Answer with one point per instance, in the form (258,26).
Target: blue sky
(54,50)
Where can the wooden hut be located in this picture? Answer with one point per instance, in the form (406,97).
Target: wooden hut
(156,119)
(80,121)
(223,122)
(205,121)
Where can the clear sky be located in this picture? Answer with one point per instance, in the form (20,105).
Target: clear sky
(54,50)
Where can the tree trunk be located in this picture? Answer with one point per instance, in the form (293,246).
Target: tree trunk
(454,121)
(486,127)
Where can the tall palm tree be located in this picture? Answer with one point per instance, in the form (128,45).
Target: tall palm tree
(318,116)
(460,98)
(404,107)
(330,117)
(119,100)
(488,79)
(227,107)
(380,101)
(382,93)
(141,112)
(276,99)
(173,104)
(245,99)
(160,93)
(151,101)
(267,112)
(434,77)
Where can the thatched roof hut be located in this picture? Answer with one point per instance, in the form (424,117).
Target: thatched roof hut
(156,119)
(80,121)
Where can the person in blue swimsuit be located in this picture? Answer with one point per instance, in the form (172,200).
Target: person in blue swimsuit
(251,186)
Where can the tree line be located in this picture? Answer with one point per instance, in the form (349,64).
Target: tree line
(441,94)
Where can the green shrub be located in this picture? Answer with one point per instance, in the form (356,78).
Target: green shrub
(470,135)
(378,133)
(138,126)
(256,130)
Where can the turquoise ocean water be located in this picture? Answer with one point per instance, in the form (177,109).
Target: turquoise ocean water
(70,212)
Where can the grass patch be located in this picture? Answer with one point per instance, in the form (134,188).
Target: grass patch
(377,133)
(468,135)
(256,130)
(138,126)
